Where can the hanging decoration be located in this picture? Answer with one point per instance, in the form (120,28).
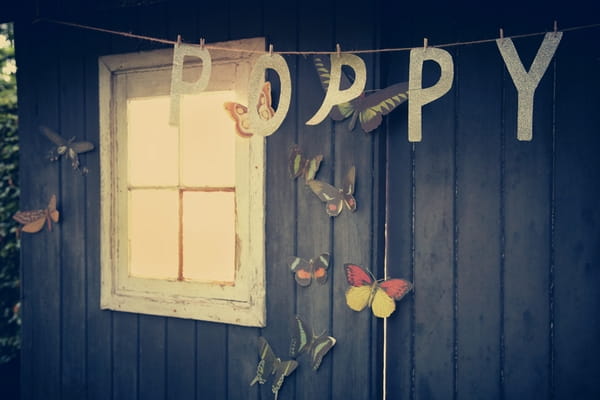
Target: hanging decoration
(334,197)
(239,112)
(333,94)
(270,364)
(305,341)
(178,85)
(344,102)
(305,271)
(420,96)
(527,82)
(368,109)
(380,295)
(302,166)
(33,221)
(67,148)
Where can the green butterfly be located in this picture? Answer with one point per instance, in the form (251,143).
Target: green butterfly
(270,364)
(367,109)
(302,166)
(305,341)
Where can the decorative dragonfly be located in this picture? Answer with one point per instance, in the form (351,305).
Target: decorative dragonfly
(67,148)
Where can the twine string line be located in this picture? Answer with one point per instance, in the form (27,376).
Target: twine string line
(303,53)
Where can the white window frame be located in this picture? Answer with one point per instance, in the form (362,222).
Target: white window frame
(242,303)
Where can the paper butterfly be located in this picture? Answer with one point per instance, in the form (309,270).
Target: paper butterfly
(369,109)
(239,112)
(300,165)
(269,365)
(67,148)
(304,271)
(316,346)
(334,197)
(380,295)
(33,221)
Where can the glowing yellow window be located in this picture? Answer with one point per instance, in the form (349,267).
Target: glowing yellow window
(181,204)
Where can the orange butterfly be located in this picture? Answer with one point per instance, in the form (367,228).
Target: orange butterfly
(33,221)
(239,112)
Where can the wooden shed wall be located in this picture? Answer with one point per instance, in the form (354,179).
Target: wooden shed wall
(500,237)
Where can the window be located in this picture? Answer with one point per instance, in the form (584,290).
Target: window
(182,206)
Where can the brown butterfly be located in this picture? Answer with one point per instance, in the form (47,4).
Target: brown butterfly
(67,148)
(239,112)
(299,165)
(335,197)
(33,221)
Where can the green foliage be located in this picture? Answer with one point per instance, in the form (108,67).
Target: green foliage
(10,320)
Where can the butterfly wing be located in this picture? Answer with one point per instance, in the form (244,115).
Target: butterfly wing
(302,270)
(357,276)
(53,136)
(52,211)
(264,108)
(319,268)
(396,288)
(382,102)
(348,189)
(82,147)
(33,221)
(239,113)
(266,364)
(297,163)
(301,339)
(319,349)
(382,304)
(312,167)
(328,194)
(282,369)
(357,297)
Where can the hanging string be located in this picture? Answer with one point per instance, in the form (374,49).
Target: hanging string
(305,53)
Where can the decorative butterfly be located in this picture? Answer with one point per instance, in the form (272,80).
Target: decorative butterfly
(369,109)
(380,295)
(304,271)
(334,197)
(33,221)
(239,112)
(300,165)
(67,148)
(316,346)
(269,365)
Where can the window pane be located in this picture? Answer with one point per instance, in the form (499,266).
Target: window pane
(208,140)
(151,143)
(153,233)
(209,236)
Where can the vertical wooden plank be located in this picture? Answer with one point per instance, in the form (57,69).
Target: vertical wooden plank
(577,228)
(399,212)
(281,199)
(528,180)
(477,215)
(153,355)
(313,226)
(41,262)
(434,234)
(73,210)
(181,359)
(99,322)
(353,232)
(245,21)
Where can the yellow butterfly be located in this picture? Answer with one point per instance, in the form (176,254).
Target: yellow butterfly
(365,291)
